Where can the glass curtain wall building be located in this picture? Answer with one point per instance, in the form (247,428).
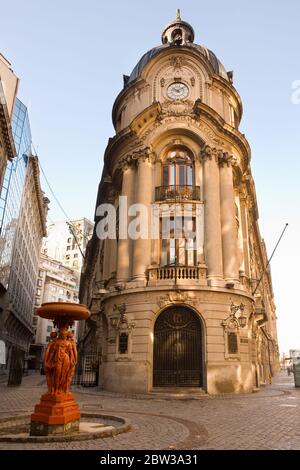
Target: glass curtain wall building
(13,184)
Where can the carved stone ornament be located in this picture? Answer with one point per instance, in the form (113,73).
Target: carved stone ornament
(230,324)
(226,159)
(219,155)
(176,62)
(175,297)
(122,323)
(140,154)
(209,153)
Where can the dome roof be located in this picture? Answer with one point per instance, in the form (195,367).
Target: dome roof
(217,66)
(177,34)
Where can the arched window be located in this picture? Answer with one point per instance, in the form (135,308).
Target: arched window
(178,168)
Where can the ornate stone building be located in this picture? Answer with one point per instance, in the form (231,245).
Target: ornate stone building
(173,310)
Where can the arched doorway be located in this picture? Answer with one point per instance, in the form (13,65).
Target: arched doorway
(177,358)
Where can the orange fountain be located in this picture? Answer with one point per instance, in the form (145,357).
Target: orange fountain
(58,412)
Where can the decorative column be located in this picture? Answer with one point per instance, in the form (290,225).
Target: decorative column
(155,242)
(241,263)
(229,225)
(245,229)
(212,217)
(142,247)
(198,175)
(124,242)
(198,181)
(109,261)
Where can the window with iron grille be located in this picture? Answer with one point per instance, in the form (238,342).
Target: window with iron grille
(232,343)
(123,343)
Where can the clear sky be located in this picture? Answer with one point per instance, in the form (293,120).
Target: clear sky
(71,54)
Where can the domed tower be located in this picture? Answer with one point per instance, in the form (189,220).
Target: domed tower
(171,271)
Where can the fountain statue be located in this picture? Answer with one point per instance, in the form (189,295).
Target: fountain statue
(58,412)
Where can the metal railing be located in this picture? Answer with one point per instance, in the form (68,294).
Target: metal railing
(177,193)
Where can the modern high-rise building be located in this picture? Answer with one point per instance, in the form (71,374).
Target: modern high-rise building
(12,189)
(18,301)
(174,288)
(66,241)
(7,146)
(23,212)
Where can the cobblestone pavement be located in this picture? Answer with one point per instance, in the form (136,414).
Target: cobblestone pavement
(268,419)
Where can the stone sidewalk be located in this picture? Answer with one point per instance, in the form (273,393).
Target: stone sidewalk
(268,419)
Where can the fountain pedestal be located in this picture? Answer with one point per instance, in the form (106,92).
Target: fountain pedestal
(58,412)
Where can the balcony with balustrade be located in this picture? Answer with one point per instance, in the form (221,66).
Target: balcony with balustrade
(177,193)
(177,275)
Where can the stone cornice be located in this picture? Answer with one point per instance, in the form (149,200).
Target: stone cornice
(202,109)
(42,201)
(146,119)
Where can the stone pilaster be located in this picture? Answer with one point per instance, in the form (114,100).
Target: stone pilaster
(212,217)
(142,247)
(228,221)
(245,231)
(124,242)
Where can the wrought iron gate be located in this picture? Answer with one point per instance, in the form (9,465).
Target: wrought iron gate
(16,368)
(87,369)
(177,349)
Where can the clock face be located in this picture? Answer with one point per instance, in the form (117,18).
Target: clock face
(177,91)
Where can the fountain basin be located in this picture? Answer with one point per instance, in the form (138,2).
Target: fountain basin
(92,426)
(54,310)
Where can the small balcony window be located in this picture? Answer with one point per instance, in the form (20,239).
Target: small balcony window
(178,177)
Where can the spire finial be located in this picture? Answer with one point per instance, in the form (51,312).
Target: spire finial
(178,14)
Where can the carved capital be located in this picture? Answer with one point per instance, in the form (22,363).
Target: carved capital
(140,154)
(209,153)
(125,162)
(225,159)
(144,154)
